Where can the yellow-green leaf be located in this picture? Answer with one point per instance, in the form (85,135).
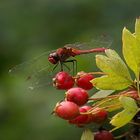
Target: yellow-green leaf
(128,103)
(137,28)
(112,64)
(125,116)
(112,82)
(102,63)
(131,47)
(117,75)
(87,135)
(122,118)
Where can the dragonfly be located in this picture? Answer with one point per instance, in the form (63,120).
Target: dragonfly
(61,55)
(40,70)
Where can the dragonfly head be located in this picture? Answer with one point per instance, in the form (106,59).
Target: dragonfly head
(53,58)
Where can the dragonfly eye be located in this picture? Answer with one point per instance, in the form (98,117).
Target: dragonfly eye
(53,58)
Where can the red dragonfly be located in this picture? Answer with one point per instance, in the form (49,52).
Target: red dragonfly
(61,55)
(39,72)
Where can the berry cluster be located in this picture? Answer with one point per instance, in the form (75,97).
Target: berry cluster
(64,81)
(74,107)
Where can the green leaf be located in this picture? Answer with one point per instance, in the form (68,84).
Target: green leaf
(125,116)
(128,103)
(114,82)
(87,135)
(112,64)
(117,75)
(121,119)
(137,28)
(129,49)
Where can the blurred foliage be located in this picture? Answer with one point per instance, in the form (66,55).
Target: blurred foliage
(28,28)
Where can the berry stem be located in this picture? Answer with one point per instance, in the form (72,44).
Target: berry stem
(91,111)
(97,73)
(111,106)
(94,73)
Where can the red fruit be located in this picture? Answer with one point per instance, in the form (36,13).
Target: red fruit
(66,110)
(83,80)
(82,119)
(103,135)
(63,80)
(90,116)
(99,115)
(87,107)
(77,95)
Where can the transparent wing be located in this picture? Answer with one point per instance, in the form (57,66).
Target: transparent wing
(37,72)
(103,41)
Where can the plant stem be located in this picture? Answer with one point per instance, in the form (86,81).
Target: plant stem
(94,73)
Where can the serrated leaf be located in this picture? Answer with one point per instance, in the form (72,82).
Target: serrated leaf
(112,64)
(87,135)
(131,47)
(113,82)
(102,93)
(125,116)
(129,44)
(117,75)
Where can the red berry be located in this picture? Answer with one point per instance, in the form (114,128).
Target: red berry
(87,107)
(103,135)
(90,116)
(83,80)
(99,115)
(63,80)
(66,110)
(82,119)
(77,95)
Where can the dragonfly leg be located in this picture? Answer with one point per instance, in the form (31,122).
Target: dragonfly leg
(55,67)
(74,65)
(61,64)
(66,67)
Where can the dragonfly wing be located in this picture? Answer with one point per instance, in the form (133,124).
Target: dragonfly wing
(103,41)
(36,72)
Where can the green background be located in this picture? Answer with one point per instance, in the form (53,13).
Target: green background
(30,27)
